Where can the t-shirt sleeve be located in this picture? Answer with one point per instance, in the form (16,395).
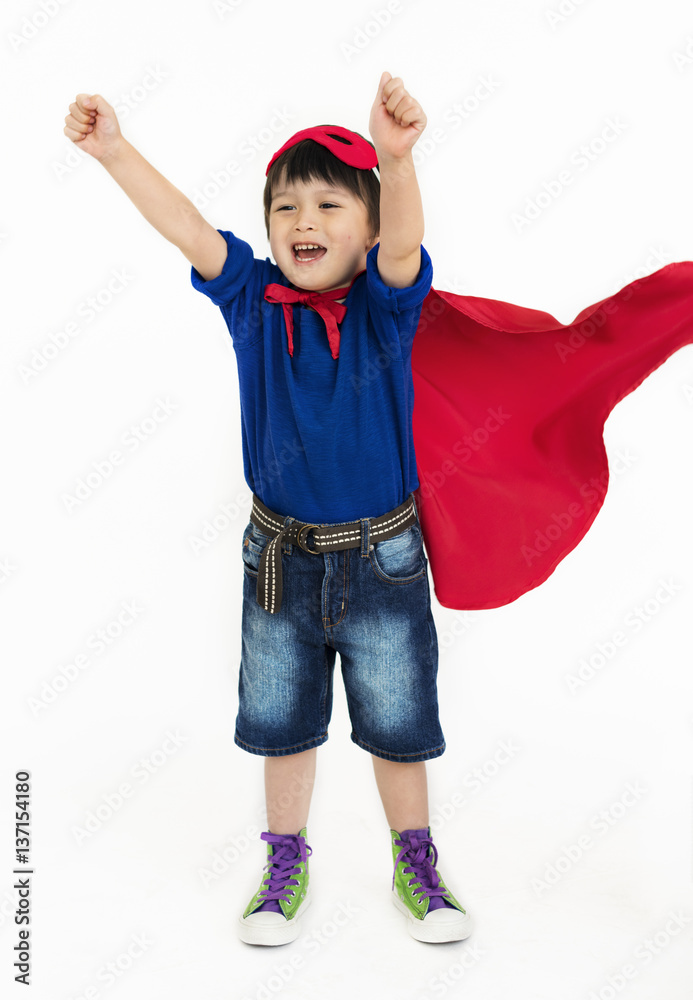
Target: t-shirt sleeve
(235,273)
(398,309)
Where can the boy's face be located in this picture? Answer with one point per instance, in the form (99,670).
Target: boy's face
(327,215)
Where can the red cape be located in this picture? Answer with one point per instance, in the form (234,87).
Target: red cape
(508,426)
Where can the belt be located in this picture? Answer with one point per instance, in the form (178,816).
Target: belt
(326,538)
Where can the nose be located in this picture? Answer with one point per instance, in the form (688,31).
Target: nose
(303,219)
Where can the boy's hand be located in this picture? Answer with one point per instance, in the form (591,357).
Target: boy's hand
(92,123)
(396,121)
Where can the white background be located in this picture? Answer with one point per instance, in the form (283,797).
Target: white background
(216,82)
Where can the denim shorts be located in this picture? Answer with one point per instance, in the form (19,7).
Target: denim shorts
(374,610)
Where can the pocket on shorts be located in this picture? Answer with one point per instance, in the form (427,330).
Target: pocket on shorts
(254,544)
(400,559)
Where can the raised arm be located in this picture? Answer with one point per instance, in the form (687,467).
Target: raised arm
(92,124)
(396,122)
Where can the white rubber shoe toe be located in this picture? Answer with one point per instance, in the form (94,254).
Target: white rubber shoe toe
(438,926)
(268,928)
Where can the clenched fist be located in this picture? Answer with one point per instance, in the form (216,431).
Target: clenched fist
(93,125)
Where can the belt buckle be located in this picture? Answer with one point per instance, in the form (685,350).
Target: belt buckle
(306,527)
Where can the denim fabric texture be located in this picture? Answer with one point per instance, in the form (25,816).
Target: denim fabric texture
(371,605)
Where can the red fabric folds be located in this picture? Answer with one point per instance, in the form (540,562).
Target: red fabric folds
(508,426)
(323,302)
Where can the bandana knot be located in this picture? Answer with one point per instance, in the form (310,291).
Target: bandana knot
(323,302)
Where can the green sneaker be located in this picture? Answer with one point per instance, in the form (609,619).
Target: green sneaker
(272,915)
(433,914)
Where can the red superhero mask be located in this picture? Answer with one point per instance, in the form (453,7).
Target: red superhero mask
(347,146)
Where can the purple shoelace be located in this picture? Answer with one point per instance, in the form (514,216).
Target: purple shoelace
(288,851)
(415,845)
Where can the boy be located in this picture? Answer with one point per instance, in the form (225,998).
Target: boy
(343,301)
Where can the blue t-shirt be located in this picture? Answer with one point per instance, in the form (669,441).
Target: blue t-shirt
(325,440)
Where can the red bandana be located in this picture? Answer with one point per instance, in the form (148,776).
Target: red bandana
(323,302)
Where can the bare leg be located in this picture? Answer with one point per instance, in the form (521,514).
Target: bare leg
(288,789)
(404,792)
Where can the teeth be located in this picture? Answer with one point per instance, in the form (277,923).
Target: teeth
(307,246)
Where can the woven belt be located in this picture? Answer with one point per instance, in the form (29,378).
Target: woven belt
(326,538)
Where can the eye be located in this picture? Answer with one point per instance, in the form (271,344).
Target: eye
(324,204)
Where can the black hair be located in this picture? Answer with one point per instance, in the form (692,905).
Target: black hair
(310,160)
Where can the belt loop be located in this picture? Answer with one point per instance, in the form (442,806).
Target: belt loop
(413,501)
(288,546)
(365,536)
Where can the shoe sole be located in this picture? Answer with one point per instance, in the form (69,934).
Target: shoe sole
(435,933)
(277,934)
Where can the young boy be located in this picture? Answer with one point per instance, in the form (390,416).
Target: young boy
(333,554)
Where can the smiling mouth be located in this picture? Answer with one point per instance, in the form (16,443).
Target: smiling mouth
(314,252)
